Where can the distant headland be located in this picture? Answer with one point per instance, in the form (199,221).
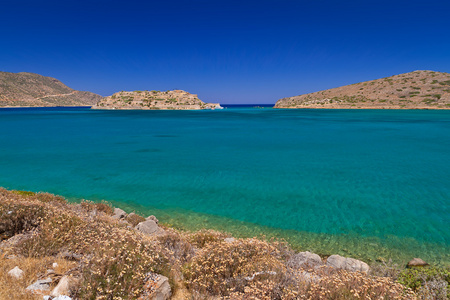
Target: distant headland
(414,90)
(34,90)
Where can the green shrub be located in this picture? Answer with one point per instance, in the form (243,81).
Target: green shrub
(420,278)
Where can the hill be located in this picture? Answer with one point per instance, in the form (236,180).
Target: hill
(414,90)
(29,89)
(176,99)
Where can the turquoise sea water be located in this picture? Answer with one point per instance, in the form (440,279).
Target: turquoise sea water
(366,183)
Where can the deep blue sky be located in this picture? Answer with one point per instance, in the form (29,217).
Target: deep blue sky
(225,51)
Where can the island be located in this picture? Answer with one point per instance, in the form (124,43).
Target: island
(414,90)
(34,90)
(173,100)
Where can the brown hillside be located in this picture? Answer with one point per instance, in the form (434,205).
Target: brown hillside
(414,90)
(29,89)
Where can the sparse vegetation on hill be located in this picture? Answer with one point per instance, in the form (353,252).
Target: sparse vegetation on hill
(104,256)
(414,90)
(29,89)
(176,99)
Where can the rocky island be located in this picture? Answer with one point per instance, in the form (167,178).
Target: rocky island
(414,90)
(175,100)
(29,89)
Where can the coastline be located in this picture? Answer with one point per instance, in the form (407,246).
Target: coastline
(96,244)
(366,108)
(370,249)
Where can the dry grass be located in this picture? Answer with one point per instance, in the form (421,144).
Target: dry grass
(103,206)
(33,268)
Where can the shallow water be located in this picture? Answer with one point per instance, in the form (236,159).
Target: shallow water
(367,183)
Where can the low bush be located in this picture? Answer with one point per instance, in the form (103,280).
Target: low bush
(223,267)
(427,281)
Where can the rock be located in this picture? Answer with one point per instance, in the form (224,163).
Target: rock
(54,265)
(148,227)
(119,213)
(305,260)
(156,287)
(153,218)
(417,262)
(64,286)
(57,298)
(346,263)
(70,255)
(16,273)
(16,239)
(230,240)
(40,286)
(162,291)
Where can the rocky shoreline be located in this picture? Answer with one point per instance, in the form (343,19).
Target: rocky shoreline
(83,248)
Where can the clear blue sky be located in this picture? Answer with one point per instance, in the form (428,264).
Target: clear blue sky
(224,51)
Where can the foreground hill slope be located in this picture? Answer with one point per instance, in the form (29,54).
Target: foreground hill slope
(29,89)
(414,90)
(176,99)
(95,251)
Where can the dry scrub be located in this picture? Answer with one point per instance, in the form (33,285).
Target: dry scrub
(113,260)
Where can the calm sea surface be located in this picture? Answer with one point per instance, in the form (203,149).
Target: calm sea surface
(362,183)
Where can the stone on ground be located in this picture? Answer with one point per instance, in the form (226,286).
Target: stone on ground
(153,218)
(149,227)
(305,260)
(40,286)
(65,284)
(119,213)
(346,263)
(417,262)
(16,273)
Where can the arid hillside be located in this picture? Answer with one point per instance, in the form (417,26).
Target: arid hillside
(414,90)
(176,99)
(29,89)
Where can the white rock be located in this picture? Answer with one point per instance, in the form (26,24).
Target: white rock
(119,213)
(54,265)
(346,263)
(62,298)
(16,273)
(63,287)
(40,285)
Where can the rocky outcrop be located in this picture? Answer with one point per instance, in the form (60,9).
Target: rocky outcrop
(414,90)
(29,89)
(174,100)
(346,263)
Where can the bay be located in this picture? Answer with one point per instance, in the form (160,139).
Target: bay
(365,183)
